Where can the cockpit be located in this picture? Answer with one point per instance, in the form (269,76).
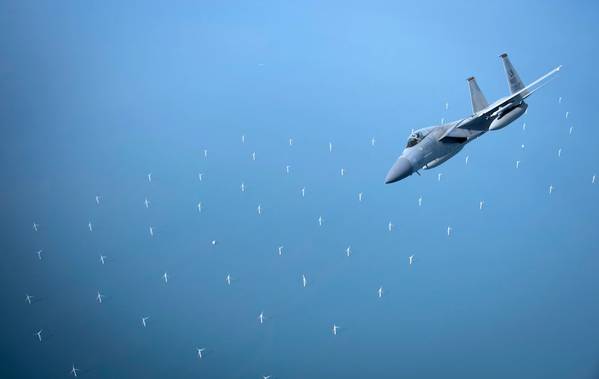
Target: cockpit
(414,139)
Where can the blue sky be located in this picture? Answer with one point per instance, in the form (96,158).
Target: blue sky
(97,95)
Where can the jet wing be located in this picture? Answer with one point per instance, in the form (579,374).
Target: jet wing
(479,121)
(523,93)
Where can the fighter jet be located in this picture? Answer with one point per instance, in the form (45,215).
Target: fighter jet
(430,147)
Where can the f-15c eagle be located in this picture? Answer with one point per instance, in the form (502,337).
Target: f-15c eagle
(430,147)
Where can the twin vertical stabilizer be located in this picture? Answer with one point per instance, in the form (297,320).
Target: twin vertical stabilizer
(513,78)
(479,102)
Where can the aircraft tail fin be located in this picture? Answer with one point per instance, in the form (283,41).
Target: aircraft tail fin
(513,78)
(479,102)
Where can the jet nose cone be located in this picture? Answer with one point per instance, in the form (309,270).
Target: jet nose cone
(400,170)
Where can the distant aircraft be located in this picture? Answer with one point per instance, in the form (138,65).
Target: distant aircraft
(430,147)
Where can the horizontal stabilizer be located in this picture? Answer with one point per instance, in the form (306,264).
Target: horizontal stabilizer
(476,96)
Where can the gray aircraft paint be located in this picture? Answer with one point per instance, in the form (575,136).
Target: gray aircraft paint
(430,147)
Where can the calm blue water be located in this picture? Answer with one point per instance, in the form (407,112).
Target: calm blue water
(97,95)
